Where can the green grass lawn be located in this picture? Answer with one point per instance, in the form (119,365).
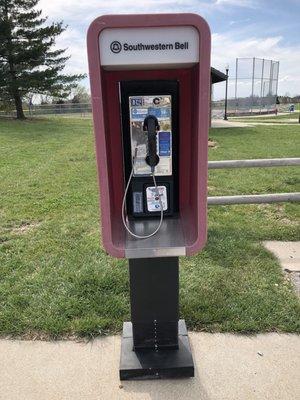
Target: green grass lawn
(56,280)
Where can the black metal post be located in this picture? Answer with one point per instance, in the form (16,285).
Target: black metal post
(154,302)
(155,343)
(226,94)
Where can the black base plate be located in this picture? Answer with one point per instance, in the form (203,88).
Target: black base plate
(151,364)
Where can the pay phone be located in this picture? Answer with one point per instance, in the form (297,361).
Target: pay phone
(150,76)
(150,143)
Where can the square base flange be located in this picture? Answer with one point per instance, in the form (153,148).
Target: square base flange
(151,364)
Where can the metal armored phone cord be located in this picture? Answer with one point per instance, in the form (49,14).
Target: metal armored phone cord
(124,203)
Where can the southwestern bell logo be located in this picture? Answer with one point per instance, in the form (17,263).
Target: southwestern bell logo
(116,46)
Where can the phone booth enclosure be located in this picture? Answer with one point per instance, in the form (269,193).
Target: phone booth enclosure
(184,231)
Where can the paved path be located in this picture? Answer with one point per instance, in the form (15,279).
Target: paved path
(228,367)
(220,123)
(283,123)
(288,254)
(264,115)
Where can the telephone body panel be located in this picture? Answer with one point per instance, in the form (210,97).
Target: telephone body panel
(140,99)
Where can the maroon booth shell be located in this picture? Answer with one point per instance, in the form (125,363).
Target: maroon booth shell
(185,234)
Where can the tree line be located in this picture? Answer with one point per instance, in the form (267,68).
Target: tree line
(29,61)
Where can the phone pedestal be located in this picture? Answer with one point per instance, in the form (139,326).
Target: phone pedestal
(156,364)
(155,343)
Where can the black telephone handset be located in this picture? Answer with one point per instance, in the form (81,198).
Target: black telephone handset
(151,125)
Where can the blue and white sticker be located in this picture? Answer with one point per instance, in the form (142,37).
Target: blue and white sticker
(164,143)
(160,112)
(139,114)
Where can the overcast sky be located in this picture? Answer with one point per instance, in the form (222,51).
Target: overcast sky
(240,28)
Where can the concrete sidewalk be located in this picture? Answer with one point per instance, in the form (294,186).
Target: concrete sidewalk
(233,367)
(288,253)
(220,123)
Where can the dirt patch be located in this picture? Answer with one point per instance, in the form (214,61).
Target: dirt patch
(25,228)
(278,214)
(294,277)
(211,189)
(4,240)
(212,143)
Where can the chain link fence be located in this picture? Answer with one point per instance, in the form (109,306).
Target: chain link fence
(82,109)
(254,88)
